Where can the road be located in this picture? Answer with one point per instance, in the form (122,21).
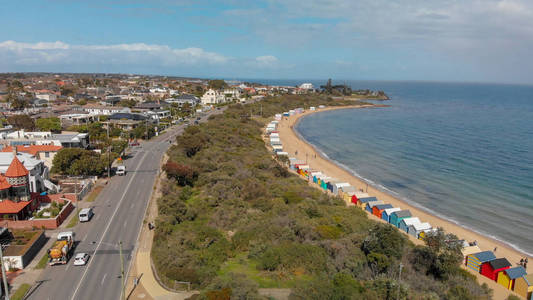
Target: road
(119,212)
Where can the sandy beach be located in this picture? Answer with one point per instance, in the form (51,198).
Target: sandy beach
(292,143)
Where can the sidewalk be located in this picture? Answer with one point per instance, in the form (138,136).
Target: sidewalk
(149,287)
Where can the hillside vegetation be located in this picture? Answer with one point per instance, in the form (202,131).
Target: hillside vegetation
(233,219)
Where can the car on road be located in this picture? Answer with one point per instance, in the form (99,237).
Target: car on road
(85,214)
(121,170)
(133,144)
(81,259)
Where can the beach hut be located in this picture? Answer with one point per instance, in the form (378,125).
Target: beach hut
(523,286)
(417,228)
(470,250)
(427,232)
(330,183)
(377,210)
(348,193)
(281,153)
(363,201)
(508,277)
(324,182)
(397,216)
(475,260)
(406,222)
(491,268)
(385,215)
(337,187)
(370,205)
(316,175)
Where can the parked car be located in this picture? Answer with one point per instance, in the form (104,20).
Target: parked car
(81,259)
(121,170)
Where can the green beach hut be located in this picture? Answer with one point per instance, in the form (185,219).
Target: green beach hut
(397,216)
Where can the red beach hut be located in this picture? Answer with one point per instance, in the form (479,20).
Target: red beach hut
(492,268)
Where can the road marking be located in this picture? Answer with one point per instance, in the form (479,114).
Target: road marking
(85,237)
(132,205)
(125,222)
(103,278)
(68,266)
(107,228)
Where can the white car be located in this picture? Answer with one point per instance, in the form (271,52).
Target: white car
(81,259)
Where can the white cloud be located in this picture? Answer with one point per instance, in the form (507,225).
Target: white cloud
(136,53)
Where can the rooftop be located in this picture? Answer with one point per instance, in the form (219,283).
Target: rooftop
(9,207)
(402,213)
(516,272)
(33,149)
(484,256)
(499,263)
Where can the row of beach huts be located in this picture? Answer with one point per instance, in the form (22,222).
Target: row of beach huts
(483,262)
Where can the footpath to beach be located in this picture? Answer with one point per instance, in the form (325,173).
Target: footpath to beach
(300,149)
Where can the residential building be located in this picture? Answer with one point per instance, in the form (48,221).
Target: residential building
(185,98)
(46,153)
(102,110)
(212,97)
(46,96)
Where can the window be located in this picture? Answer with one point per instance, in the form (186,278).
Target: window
(47,154)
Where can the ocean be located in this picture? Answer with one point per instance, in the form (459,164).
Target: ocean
(461,151)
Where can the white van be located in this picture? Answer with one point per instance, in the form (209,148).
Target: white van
(85,214)
(121,170)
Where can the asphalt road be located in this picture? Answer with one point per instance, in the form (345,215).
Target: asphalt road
(119,211)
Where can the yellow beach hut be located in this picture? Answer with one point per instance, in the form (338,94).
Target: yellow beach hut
(523,286)
(507,277)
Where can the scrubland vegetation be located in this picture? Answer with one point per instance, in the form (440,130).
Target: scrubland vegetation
(232,219)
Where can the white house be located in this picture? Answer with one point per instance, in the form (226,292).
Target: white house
(307,86)
(105,110)
(46,96)
(38,172)
(232,94)
(212,97)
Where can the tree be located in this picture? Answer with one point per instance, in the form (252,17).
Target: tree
(48,124)
(21,122)
(183,174)
(217,84)
(75,161)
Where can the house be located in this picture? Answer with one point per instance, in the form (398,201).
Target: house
(378,210)
(363,201)
(102,110)
(158,114)
(184,98)
(152,105)
(46,96)
(231,94)
(523,286)
(72,140)
(388,212)
(508,277)
(370,205)
(212,97)
(15,164)
(76,119)
(46,153)
(406,222)
(398,216)
(417,229)
(491,268)
(475,260)
(39,102)
(126,121)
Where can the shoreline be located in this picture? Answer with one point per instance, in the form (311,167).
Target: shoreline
(292,141)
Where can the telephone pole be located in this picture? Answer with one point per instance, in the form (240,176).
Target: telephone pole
(4,277)
(123,292)
(108,153)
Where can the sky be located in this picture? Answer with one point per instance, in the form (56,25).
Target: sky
(437,40)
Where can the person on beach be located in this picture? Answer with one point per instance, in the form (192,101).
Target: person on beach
(495,248)
(522,262)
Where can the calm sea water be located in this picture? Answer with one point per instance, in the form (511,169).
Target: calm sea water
(462,151)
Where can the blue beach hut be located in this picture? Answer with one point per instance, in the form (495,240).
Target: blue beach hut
(387,212)
(406,222)
(476,260)
(397,216)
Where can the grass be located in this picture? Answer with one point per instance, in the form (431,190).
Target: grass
(20,292)
(42,263)
(92,196)
(74,221)
(241,264)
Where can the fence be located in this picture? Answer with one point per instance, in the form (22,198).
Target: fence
(50,223)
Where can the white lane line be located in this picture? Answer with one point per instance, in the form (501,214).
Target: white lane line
(85,237)
(125,222)
(132,205)
(107,228)
(103,279)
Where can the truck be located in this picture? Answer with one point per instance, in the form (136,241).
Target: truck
(60,251)
(121,170)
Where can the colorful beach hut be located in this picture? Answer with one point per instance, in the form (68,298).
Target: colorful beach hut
(387,212)
(315,176)
(475,260)
(523,286)
(370,205)
(508,277)
(379,209)
(398,216)
(348,194)
(469,250)
(337,187)
(330,183)
(363,201)
(417,228)
(492,268)
(406,222)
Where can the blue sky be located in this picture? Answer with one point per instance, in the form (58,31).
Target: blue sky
(439,40)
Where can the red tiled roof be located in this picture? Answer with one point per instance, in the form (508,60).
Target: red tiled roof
(3,183)
(16,168)
(10,207)
(33,149)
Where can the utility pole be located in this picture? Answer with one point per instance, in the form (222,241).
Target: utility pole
(123,293)
(108,153)
(399,278)
(4,277)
